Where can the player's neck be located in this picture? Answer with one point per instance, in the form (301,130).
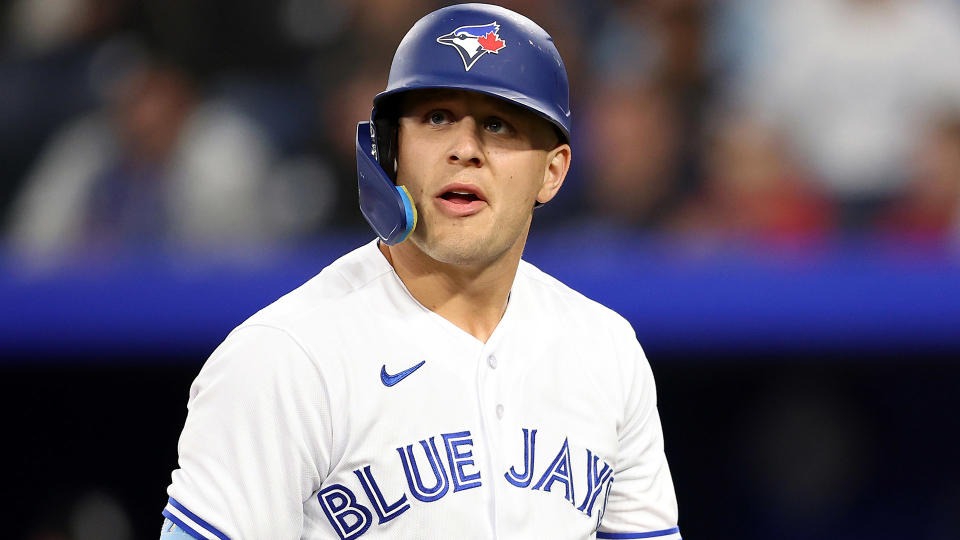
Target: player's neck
(474,298)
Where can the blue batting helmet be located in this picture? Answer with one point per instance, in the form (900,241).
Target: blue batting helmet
(476,47)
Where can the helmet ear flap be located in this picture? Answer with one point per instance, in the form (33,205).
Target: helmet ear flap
(387,207)
(385,140)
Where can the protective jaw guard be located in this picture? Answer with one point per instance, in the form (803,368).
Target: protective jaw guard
(387,207)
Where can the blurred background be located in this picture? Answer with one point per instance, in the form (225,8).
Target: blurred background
(768,190)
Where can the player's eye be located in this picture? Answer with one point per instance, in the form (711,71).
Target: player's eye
(496,125)
(438,118)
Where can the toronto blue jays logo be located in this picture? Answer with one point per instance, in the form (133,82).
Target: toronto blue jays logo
(472,42)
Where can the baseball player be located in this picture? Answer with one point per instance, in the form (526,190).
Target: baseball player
(431,384)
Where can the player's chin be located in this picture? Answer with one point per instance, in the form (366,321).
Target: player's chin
(461,227)
(457,245)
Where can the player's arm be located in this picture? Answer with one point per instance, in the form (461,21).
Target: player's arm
(255,442)
(641,501)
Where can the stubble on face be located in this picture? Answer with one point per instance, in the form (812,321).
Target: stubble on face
(468,244)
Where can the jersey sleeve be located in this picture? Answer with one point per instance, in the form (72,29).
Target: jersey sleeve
(255,445)
(641,501)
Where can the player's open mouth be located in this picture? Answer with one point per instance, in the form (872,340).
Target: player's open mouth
(460,197)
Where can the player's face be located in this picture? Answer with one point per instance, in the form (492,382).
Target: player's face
(475,166)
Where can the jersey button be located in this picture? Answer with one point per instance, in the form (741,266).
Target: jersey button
(492,361)
(500,410)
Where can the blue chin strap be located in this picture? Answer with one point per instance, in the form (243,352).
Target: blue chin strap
(388,208)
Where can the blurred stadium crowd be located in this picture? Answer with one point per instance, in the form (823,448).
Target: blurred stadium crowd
(226,126)
(229,125)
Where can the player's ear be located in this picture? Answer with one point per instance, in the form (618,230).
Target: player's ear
(555,171)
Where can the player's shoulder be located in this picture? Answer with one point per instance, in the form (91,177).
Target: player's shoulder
(298,335)
(323,299)
(560,300)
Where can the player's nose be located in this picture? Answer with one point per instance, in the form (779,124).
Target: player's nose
(466,143)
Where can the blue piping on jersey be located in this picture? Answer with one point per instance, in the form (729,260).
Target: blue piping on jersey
(196,519)
(652,534)
(172,531)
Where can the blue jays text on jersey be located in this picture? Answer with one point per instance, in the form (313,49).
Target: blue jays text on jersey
(441,472)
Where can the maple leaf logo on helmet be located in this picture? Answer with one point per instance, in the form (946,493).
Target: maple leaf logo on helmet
(475,41)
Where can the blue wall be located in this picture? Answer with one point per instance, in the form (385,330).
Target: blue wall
(682,295)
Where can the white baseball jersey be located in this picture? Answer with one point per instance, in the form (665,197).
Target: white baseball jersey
(349,410)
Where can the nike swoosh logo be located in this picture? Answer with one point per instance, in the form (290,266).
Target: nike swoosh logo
(390,380)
